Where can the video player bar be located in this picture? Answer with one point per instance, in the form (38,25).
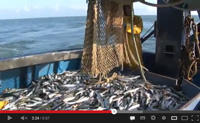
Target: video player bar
(103,116)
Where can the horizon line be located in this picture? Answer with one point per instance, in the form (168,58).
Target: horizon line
(53,17)
(60,17)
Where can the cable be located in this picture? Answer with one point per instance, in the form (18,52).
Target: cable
(133,38)
(166,5)
(182,9)
(162,5)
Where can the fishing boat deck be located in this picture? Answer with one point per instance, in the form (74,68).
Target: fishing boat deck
(24,74)
(72,90)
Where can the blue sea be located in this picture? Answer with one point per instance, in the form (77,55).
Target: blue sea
(20,37)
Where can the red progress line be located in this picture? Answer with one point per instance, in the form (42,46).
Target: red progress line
(54,112)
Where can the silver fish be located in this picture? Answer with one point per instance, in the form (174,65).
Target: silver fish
(72,90)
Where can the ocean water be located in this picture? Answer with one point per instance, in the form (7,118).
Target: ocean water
(22,37)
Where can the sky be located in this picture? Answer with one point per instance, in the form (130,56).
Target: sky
(12,9)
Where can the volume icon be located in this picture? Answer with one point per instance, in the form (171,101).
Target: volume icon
(22,118)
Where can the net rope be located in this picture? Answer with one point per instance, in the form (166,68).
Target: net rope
(103,45)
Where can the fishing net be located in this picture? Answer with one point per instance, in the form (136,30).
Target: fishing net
(103,46)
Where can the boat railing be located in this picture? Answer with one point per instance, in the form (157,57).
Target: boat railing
(30,60)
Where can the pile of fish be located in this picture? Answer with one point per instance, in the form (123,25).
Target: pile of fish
(74,91)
